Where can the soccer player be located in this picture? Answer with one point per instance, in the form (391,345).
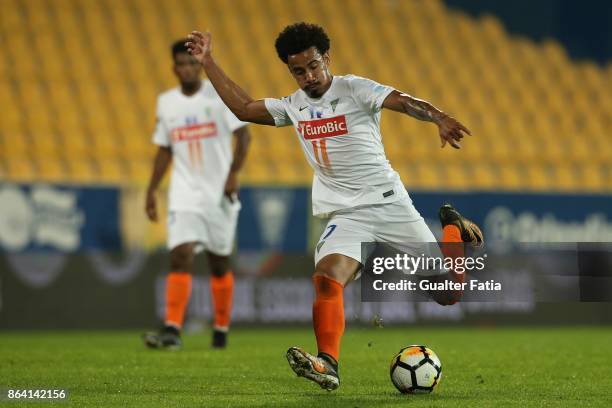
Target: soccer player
(194,129)
(337,121)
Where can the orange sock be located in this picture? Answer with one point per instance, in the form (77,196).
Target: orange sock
(328,315)
(178,290)
(222,291)
(452,247)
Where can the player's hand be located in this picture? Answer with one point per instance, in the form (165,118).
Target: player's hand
(199,45)
(231,186)
(151,205)
(451,131)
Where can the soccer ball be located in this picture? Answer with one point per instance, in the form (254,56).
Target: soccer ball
(415,370)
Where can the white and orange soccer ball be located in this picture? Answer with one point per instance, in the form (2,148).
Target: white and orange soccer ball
(416,370)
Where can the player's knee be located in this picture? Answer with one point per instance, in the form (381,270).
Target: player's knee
(333,273)
(219,265)
(219,268)
(181,258)
(328,272)
(338,267)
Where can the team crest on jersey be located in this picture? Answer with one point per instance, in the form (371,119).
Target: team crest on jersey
(320,128)
(333,104)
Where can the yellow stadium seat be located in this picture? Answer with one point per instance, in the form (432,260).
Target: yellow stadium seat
(44,146)
(81,170)
(13,122)
(538,178)
(565,178)
(499,149)
(256,172)
(426,177)
(135,148)
(8,18)
(579,150)
(15,145)
(111,171)
(139,170)
(20,169)
(524,136)
(291,174)
(592,177)
(51,170)
(40,123)
(483,176)
(32,95)
(456,177)
(73,141)
(510,177)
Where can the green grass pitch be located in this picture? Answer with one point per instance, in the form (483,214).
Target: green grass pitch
(481,367)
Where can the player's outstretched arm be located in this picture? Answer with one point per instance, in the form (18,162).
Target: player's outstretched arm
(451,130)
(237,100)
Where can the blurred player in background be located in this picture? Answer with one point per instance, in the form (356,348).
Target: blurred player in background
(194,129)
(337,121)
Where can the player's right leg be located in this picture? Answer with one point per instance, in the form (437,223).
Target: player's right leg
(221,223)
(222,293)
(178,291)
(332,273)
(186,233)
(337,262)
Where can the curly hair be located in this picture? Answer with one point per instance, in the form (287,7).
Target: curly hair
(299,37)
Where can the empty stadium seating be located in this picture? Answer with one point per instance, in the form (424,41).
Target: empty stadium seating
(78,81)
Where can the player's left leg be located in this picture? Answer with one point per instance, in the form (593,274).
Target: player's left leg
(222,291)
(178,292)
(402,224)
(337,262)
(458,232)
(186,237)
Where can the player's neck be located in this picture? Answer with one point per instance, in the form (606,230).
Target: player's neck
(328,86)
(191,88)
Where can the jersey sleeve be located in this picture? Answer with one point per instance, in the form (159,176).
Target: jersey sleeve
(161,135)
(276,108)
(370,94)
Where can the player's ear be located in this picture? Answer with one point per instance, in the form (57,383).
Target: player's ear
(327,58)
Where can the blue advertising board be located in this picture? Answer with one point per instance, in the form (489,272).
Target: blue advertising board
(59,218)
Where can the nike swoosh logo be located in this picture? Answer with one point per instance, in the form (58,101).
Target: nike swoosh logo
(302,108)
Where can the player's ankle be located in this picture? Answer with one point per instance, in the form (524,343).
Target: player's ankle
(332,361)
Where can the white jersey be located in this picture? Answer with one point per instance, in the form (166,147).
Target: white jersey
(340,136)
(199,130)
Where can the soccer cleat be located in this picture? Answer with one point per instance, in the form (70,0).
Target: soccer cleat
(219,339)
(470,233)
(318,369)
(168,338)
